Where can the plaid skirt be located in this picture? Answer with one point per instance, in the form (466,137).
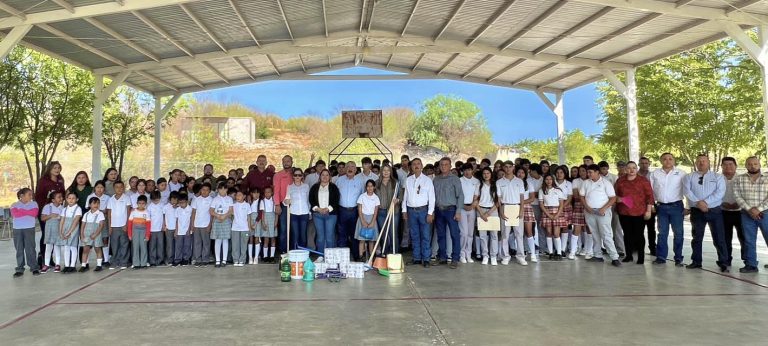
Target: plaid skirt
(52,231)
(547,222)
(270,231)
(578,214)
(568,214)
(221,229)
(90,229)
(74,238)
(528,215)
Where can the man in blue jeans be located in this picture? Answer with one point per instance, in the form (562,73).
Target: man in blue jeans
(667,184)
(350,188)
(449,198)
(751,192)
(418,206)
(705,190)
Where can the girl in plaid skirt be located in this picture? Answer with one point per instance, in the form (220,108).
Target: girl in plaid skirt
(221,227)
(268,225)
(579,221)
(561,180)
(553,201)
(529,218)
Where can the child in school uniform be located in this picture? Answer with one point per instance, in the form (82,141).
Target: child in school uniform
(139,227)
(141,190)
(182,236)
(118,209)
(99,191)
(553,200)
(254,225)
(90,237)
(268,225)
(240,228)
(368,208)
(201,226)
(221,227)
(69,231)
(52,216)
(165,192)
(24,213)
(169,226)
(156,236)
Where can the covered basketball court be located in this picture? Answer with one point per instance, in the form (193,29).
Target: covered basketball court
(171,47)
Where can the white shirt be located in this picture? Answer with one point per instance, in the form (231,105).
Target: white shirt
(170,216)
(485,197)
(510,190)
(173,187)
(370,176)
(419,192)
(71,211)
(164,195)
(611,178)
(184,216)
(50,209)
(91,217)
(312,179)
(552,198)
(299,196)
(268,205)
(201,205)
(119,210)
(135,199)
(566,186)
(156,216)
(221,204)
(597,193)
(241,211)
(323,197)
(369,203)
(103,200)
(534,185)
(471,188)
(667,187)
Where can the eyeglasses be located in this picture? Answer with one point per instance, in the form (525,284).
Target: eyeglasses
(701,180)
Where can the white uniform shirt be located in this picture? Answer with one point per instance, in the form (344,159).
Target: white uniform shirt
(485,197)
(91,217)
(510,190)
(119,210)
(50,209)
(156,216)
(268,205)
(566,187)
(169,212)
(471,188)
(369,203)
(135,199)
(667,187)
(370,176)
(184,218)
(70,212)
(419,192)
(164,196)
(534,185)
(240,221)
(173,187)
(103,200)
(221,204)
(201,205)
(597,193)
(552,198)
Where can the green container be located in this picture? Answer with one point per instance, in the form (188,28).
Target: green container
(309,270)
(285,270)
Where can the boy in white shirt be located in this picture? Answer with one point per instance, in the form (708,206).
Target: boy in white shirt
(156,236)
(182,236)
(201,227)
(117,213)
(240,228)
(169,226)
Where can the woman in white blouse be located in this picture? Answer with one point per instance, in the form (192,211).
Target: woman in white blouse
(324,203)
(298,199)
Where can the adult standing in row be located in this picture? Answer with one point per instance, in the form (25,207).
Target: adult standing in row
(350,188)
(731,210)
(636,201)
(402,173)
(388,188)
(297,197)
(667,184)
(650,224)
(449,200)
(50,181)
(81,186)
(418,209)
(281,181)
(751,192)
(704,190)
(207,174)
(324,201)
(259,178)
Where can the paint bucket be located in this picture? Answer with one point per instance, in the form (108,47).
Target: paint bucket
(297,259)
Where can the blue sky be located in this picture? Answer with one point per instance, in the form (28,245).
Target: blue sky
(512,114)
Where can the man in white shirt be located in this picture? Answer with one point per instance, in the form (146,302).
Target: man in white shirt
(418,209)
(731,210)
(667,184)
(402,173)
(367,174)
(313,178)
(618,233)
(598,196)
(471,188)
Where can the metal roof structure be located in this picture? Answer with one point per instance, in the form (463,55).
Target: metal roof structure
(172,47)
(180,46)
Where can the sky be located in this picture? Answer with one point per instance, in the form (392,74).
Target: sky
(512,114)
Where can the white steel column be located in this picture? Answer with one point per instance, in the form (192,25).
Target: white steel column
(96,135)
(557,109)
(160,113)
(13,38)
(629,92)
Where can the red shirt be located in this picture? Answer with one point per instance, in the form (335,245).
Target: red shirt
(638,191)
(282,180)
(258,180)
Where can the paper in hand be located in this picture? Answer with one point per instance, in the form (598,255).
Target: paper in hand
(627,201)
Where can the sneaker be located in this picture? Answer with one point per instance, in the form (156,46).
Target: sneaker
(106,264)
(218,265)
(35,272)
(97,269)
(493,261)
(123,267)
(470,260)
(44,269)
(478,256)
(463,260)
(571,256)
(454,265)
(748,269)
(534,258)
(485,260)
(18,274)
(521,261)
(616,263)
(505,261)
(588,256)
(57,269)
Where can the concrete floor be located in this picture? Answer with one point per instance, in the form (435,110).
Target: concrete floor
(550,303)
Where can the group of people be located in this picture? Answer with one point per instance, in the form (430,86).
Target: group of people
(431,209)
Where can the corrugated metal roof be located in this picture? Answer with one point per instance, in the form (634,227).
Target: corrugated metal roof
(553,45)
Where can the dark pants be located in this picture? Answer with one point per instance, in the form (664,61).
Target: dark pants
(299,230)
(156,247)
(714,218)
(24,242)
(169,245)
(445,219)
(731,220)
(650,225)
(346,229)
(41,254)
(634,239)
(183,248)
(282,242)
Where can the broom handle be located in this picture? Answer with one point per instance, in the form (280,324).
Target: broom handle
(387,221)
(392,213)
(288,228)
(370,259)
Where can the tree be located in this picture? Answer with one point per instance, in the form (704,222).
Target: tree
(12,81)
(706,100)
(200,144)
(57,109)
(577,145)
(452,124)
(129,120)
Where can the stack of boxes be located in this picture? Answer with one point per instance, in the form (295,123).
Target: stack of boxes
(337,263)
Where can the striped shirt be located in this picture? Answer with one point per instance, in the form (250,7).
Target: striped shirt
(751,194)
(709,187)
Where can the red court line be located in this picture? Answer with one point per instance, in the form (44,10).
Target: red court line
(53,302)
(226,301)
(735,278)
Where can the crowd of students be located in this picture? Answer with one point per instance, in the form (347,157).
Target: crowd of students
(564,212)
